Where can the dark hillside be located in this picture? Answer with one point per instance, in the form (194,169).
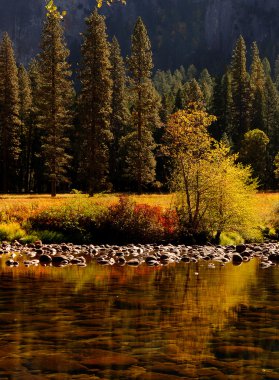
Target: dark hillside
(182,31)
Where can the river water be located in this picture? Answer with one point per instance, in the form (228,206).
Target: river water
(181,321)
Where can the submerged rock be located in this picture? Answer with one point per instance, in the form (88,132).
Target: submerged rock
(247,352)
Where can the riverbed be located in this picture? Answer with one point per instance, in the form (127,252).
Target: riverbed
(186,320)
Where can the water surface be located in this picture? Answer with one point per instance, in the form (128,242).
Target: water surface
(182,321)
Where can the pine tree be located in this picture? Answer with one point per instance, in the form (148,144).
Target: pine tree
(119,112)
(241,102)
(193,93)
(9,117)
(253,152)
(36,180)
(25,110)
(192,73)
(272,122)
(276,72)
(95,103)
(140,160)
(222,108)
(206,83)
(257,83)
(55,100)
(228,104)
(266,66)
(272,115)
(179,102)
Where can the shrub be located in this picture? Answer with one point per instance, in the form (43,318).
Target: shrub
(123,222)
(270,233)
(29,238)
(49,237)
(77,221)
(11,232)
(130,222)
(231,238)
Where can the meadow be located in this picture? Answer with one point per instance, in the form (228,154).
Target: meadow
(66,214)
(23,206)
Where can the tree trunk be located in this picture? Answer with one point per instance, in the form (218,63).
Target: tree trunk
(216,239)
(53,187)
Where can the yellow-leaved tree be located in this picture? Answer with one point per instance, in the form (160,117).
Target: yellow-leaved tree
(214,193)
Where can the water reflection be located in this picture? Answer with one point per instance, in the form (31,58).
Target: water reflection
(180,321)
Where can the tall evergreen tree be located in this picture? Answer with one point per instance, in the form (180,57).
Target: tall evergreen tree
(272,115)
(241,102)
(253,152)
(272,130)
(95,103)
(9,117)
(119,112)
(206,83)
(179,102)
(25,110)
(228,104)
(192,72)
(36,178)
(276,72)
(257,83)
(193,93)
(266,67)
(55,100)
(140,160)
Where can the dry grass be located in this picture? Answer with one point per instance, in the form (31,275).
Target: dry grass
(20,207)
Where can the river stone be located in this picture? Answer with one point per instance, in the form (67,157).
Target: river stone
(133,262)
(269,375)
(10,262)
(246,352)
(45,259)
(170,369)
(150,258)
(60,259)
(157,376)
(153,263)
(30,376)
(274,257)
(103,359)
(226,366)
(11,364)
(237,259)
(55,363)
(185,259)
(211,373)
(121,261)
(240,248)
(76,261)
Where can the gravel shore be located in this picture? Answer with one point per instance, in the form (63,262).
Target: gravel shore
(62,255)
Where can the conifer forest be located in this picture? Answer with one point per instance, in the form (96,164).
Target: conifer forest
(103,127)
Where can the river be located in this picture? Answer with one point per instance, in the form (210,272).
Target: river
(181,321)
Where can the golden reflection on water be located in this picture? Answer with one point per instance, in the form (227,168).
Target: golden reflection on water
(195,296)
(57,319)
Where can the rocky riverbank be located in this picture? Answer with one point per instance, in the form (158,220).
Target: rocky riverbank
(61,255)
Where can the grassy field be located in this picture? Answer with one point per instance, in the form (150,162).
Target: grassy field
(71,216)
(23,206)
